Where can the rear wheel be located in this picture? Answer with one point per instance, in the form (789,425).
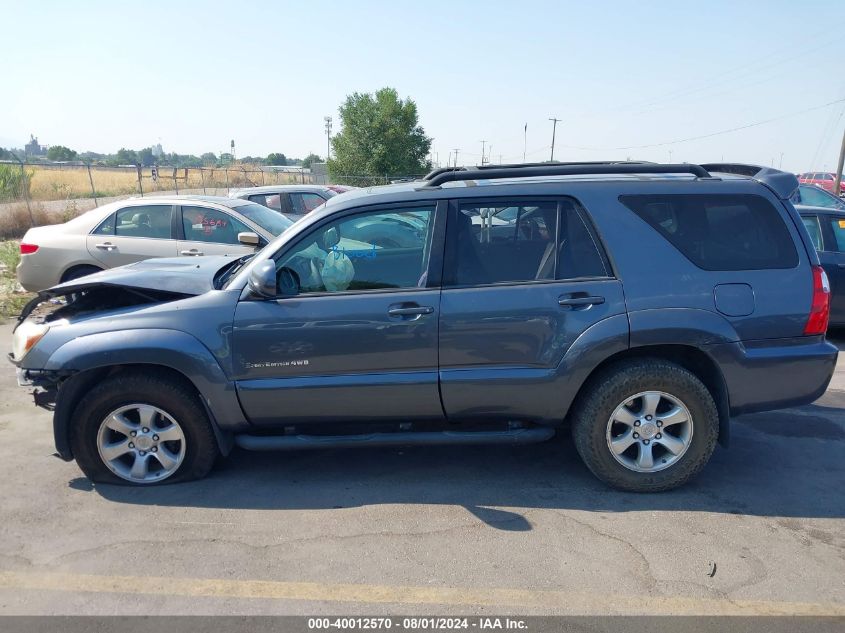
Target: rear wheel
(141,429)
(645,425)
(79,271)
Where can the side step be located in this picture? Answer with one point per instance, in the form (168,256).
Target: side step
(409,438)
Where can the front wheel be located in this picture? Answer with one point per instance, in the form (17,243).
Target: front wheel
(142,429)
(645,425)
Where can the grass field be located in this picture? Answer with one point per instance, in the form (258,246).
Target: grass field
(62,182)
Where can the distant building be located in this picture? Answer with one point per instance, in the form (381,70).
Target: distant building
(33,148)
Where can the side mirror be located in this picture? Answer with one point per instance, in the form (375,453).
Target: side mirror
(262,279)
(248,238)
(330,238)
(288,282)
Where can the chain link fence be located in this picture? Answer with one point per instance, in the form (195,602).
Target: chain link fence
(34,194)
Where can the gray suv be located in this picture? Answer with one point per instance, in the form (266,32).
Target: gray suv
(638,305)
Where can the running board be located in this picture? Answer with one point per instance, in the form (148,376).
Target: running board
(408,438)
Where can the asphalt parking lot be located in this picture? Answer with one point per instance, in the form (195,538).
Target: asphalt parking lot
(430,530)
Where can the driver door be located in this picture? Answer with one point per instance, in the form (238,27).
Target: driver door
(359,341)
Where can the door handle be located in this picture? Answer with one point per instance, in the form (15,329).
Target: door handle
(193,252)
(410,311)
(580,302)
(106,246)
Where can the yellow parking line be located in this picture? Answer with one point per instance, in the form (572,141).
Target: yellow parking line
(544,600)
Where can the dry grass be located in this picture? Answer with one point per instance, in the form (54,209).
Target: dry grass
(63,182)
(12,297)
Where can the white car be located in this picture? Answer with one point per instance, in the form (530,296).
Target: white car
(128,231)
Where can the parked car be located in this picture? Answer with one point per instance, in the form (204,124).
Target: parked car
(825,180)
(812,196)
(826,227)
(131,230)
(655,302)
(293,201)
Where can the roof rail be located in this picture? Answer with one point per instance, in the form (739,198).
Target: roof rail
(782,183)
(443,170)
(564,169)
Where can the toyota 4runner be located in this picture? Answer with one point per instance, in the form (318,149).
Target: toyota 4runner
(639,305)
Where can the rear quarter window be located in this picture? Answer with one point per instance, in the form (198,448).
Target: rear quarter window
(721,231)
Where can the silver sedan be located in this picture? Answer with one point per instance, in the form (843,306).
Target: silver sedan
(127,231)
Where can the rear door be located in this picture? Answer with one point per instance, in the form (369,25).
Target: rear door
(523,278)
(210,231)
(133,233)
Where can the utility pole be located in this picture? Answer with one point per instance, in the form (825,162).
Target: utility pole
(524,141)
(328,121)
(554,129)
(837,183)
(456,150)
(482,152)
(780,164)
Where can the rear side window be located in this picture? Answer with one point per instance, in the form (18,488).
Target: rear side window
(520,241)
(151,221)
(720,232)
(271,200)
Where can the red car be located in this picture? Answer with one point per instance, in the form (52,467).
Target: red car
(820,179)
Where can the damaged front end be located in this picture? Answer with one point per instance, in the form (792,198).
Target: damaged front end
(62,306)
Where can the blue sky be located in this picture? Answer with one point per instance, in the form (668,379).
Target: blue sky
(192,75)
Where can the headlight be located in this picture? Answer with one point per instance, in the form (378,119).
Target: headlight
(27,335)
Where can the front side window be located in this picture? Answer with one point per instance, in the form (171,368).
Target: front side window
(365,251)
(521,241)
(720,231)
(150,221)
(302,203)
(811,222)
(203,224)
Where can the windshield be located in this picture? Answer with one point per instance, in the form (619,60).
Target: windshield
(267,219)
(813,196)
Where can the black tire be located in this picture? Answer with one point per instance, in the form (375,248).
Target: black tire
(79,271)
(172,396)
(618,383)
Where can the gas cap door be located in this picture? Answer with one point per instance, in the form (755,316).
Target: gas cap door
(734,300)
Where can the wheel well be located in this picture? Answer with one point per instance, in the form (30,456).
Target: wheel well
(75,387)
(72,269)
(693,360)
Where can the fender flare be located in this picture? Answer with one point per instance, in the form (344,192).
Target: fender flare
(174,349)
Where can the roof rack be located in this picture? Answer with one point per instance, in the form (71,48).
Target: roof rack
(561,169)
(782,183)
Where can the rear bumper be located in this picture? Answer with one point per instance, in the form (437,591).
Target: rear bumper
(775,374)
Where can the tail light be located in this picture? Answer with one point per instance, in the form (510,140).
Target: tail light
(28,249)
(820,307)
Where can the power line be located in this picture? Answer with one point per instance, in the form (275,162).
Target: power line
(710,135)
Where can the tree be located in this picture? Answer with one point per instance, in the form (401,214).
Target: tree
(209,158)
(5,154)
(146,157)
(311,158)
(381,136)
(126,156)
(276,158)
(60,153)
